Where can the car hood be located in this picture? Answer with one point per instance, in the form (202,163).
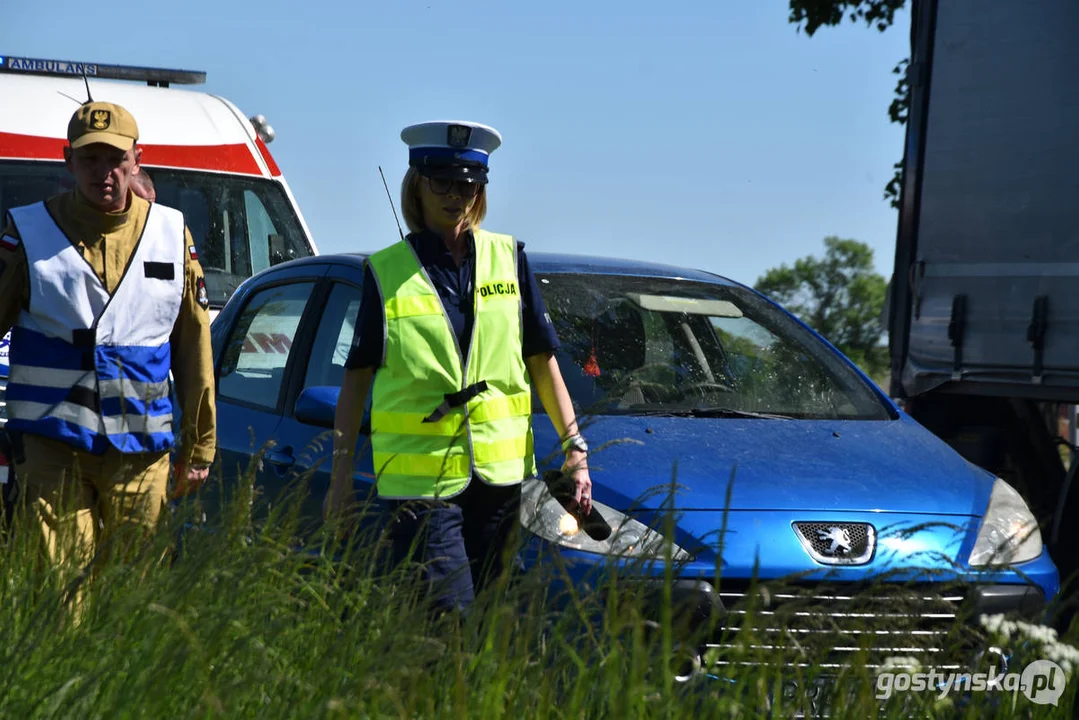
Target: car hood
(857,466)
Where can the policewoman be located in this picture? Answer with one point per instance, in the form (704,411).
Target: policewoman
(104,295)
(454,332)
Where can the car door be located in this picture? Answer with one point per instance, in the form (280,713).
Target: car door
(308,438)
(258,353)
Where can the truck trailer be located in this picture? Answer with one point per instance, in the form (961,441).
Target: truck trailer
(983,314)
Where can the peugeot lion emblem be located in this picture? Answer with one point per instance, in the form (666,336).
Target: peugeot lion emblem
(838,539)
(837,543)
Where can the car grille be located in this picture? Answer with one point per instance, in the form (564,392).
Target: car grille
(836,626)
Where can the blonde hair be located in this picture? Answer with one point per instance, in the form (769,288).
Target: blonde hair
(412,210)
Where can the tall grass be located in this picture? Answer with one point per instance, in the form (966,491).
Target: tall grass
(245,616)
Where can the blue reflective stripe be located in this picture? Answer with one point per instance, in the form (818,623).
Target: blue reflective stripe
(17,392)
(138,364)
(119,407)
(134,362)
(29,347)
(447,153)
(130,443)
(64,431)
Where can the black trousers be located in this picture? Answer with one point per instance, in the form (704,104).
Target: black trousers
(461,541)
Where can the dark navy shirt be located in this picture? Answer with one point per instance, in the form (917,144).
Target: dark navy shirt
(454,285)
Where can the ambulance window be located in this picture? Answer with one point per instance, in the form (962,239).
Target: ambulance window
(28,183)
(259,346)
(196,209)
(271,231)
(240,224)
(259,229)
(326,362)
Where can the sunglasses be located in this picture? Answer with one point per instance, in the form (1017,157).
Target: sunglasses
(461,188)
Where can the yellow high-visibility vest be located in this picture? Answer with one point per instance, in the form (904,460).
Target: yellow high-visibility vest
(436,418)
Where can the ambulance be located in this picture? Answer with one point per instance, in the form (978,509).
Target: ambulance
(205,157)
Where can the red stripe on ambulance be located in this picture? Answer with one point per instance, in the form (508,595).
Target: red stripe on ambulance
(265,151)
(233,158)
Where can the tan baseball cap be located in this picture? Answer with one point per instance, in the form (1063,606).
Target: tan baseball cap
(102,122)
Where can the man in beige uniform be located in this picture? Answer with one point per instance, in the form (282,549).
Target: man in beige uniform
(74,494)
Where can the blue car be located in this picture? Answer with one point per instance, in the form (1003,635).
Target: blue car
(705,403)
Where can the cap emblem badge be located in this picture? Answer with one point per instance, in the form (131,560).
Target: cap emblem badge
(457,136)
(100,119)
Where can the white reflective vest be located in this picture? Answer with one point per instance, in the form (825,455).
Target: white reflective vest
(87,368)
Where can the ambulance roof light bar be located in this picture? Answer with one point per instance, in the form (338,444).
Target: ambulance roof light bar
(161,77)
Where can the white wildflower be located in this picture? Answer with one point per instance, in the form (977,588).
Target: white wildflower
(1042,634)
(1046,638)
(991,622)
(1064,655)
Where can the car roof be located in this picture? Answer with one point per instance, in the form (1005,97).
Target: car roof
(543,262)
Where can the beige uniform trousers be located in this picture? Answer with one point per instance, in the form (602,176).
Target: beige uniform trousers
(78,500)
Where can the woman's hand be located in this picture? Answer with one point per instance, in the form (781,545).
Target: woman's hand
(547,378)
(347,420)
(338,499)
(576,466)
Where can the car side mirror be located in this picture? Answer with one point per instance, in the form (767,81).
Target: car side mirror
(317,405)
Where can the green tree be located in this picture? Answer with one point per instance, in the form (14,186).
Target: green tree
(811,15)
(840,296)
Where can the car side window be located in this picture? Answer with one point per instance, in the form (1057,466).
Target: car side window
(326,362)
(259,346)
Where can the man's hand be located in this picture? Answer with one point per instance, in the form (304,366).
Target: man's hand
(576,466)
(188,479)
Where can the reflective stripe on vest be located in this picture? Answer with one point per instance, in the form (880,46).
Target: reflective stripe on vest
(86,368)
(416,453)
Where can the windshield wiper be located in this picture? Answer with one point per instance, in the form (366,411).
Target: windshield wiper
(714,412)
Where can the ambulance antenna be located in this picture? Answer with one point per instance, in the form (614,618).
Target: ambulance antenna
(388,197)
(89,97)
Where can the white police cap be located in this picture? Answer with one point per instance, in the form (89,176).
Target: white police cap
(455,149)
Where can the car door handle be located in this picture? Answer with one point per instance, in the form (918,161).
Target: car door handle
(282,458)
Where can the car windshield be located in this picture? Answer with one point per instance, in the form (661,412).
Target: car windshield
(654,346)
(240,225)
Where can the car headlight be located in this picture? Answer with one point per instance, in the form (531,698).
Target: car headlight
(1009,533)
(544,516)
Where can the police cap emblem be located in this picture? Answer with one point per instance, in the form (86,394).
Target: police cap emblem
(457,136)
(100,119)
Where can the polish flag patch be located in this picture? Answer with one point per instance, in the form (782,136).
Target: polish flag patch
(8,243)
(192,252)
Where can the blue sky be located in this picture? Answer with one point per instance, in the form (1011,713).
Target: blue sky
(708,134)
